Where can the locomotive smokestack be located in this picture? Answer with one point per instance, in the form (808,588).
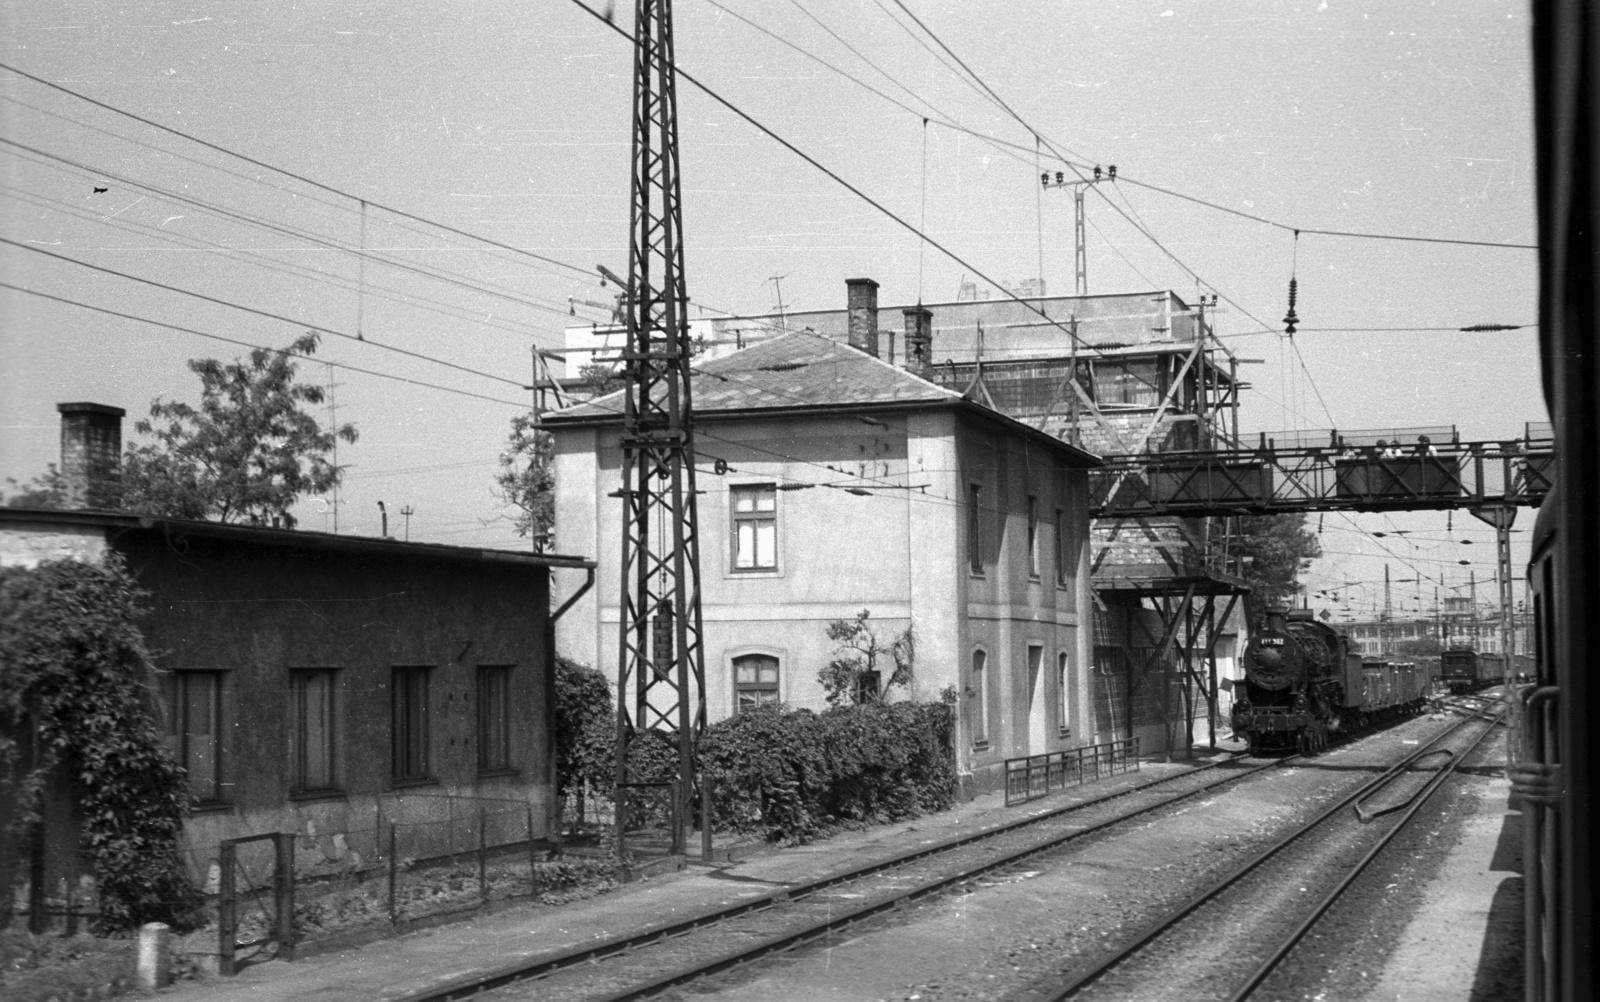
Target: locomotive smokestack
(1275,619)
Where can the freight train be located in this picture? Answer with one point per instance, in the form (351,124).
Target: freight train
(1465,670)
(1303,684)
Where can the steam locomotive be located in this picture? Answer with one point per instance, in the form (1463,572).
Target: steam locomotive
(1304,684)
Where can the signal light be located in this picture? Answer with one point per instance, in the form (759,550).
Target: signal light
(1044,179)
(1113,171)
(1060,177)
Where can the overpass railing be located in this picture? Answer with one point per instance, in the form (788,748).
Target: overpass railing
(1413,469)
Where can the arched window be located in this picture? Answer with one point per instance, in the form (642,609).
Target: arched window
(755,681)
(980,698)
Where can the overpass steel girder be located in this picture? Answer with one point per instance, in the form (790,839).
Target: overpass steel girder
(1452,475)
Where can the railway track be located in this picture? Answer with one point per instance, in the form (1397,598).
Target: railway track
(643,963)
(1267,905)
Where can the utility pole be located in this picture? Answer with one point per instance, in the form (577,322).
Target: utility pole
(660,650)
(333,422)
(1501,519)
(1388,616)
(408,511)
(1080,256)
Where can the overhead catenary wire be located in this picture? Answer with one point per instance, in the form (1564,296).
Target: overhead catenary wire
(258,259)
(250,344)
(291,231)
(258,312)
(303,179)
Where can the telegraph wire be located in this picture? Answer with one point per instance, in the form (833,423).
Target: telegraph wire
(268,263)
(838,179)
(249,344)
(289,231)
(260,313)
(288,173)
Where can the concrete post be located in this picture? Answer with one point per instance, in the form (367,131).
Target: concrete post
(154,966)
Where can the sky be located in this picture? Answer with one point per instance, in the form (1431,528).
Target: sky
(511,122)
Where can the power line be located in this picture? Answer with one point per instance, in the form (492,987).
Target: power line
(260,313)
(288,173)
(268,263)
(248,344)
(290,231)
(1303,230)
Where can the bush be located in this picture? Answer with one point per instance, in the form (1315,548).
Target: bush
(793,775)
(74,671)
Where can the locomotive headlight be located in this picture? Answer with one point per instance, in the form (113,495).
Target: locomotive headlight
(1300,702)
(1242,706)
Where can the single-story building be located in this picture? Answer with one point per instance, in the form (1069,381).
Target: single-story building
(312,683)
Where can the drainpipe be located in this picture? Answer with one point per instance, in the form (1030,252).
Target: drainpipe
(551,815)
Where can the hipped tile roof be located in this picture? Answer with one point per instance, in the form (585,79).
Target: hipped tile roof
(794,370)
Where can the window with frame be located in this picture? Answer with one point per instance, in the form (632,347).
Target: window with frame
(755,528)
(755,681)
(868,687)
(409,722)
(1063,705)
(197,725)
(312,723)
(1063,551)
(1133,383)
(980,698)
(975,527)
(494,718)
(1033,536)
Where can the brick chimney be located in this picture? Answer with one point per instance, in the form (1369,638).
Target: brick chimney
(91,455)
(863,324)
(919,342)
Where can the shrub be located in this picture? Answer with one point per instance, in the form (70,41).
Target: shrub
(793,775)
(73,668)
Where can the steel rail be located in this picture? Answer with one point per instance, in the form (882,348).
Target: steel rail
(531,970)
(1058,993)
(1419,800)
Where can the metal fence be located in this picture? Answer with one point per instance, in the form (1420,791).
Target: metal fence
(1032,776)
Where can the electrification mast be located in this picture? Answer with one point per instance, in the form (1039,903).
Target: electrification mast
(660,656)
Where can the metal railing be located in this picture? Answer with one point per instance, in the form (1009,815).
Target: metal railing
(1344,472)
(1033,776)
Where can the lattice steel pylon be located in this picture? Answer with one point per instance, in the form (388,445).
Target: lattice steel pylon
(660,650)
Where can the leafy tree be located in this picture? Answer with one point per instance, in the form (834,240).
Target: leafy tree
(601,378)
(856,673)
(527,479)
(1278,549)
(246,454)
(47,490)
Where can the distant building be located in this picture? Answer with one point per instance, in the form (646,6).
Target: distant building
(833,481)
(308,682)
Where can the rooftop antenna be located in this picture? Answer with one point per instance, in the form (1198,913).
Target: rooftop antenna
(777,286)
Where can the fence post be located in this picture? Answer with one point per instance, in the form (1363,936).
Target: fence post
(532,853)
(227,919)
(705,816)
(284,892)
(394,915)
(483,854)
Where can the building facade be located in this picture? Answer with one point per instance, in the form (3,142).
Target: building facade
(833,482)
